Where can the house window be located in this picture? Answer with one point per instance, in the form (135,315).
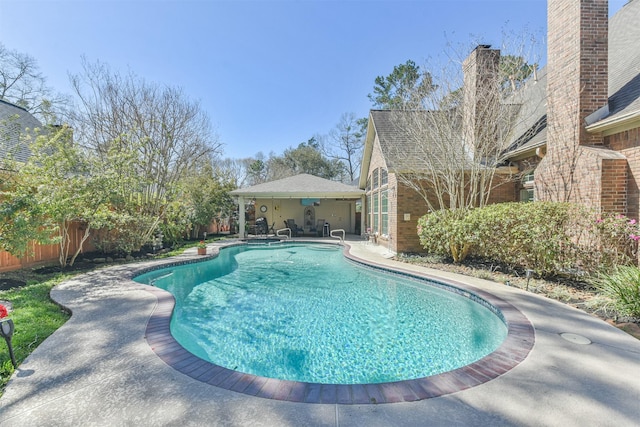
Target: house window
(376,214)
(384,177)
(527,193)
(384,212)
(368,202)
(368,184)
(378,202)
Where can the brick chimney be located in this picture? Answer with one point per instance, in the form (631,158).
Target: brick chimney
(578,167)
(577,78)
(481,93)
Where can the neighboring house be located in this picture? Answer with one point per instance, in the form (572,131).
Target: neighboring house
(576,136)
(304,198)
(15,123)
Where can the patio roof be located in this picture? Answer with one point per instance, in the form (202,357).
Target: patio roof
(301,186)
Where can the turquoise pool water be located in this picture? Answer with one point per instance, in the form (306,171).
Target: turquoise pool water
(305,313)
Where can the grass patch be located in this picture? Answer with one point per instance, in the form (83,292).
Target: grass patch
(623,287)
(35,317)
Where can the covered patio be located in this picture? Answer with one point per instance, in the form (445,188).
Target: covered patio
(316,205)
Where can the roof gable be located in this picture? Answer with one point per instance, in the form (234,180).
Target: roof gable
(413,140)
(302,185)
(15,121)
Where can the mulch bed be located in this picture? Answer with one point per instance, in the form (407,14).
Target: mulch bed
(6,283)
(569,291)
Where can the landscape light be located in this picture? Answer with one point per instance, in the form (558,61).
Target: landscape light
(6,331)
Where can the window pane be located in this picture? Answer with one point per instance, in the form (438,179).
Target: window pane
(526,195)
(376,212)
(384,176)
(375,178)
(368,215)
(384,212)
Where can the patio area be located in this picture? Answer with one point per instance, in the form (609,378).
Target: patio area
(99,369)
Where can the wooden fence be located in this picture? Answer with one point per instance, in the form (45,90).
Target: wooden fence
(45,254)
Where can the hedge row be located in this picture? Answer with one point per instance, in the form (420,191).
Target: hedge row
(546,237)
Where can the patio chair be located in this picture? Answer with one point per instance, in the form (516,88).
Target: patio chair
(291,223)
(261,227)
(320,227)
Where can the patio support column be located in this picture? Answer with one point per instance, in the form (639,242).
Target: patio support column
(241,218)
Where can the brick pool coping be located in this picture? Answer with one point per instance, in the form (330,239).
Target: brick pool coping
(515,348)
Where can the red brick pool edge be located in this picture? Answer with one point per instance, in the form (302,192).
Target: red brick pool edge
(515,348)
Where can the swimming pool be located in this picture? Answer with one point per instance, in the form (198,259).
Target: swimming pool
(265,311)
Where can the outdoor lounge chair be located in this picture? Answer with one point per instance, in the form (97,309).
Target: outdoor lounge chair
(295,230)
(261,227)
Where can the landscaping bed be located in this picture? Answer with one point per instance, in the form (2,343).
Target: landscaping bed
(569,291)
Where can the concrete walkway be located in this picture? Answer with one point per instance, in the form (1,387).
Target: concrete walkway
(99,370)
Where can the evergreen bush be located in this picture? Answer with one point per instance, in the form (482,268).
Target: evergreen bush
(549,238)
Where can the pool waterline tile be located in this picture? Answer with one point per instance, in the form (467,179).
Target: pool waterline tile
(515,348)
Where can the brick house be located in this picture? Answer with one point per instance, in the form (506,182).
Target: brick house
(576,136)
(392,207)
(583,144)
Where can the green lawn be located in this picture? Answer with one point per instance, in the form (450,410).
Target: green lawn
(35,317)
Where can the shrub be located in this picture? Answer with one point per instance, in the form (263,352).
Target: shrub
(549,238)
(623,287)
(123,234)
(535,236)
(617,238)
(447,233)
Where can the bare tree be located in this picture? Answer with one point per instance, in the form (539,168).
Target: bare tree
(22,83)
(346,143)
(555,175)
(169,133)
(236,171)
(572,165)
(451,152)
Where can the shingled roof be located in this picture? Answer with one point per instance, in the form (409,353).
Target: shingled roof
(530,124)
(300,186)
(15,121)
(624,61)
(624,85)
(407,147)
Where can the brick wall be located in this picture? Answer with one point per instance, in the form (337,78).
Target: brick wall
(613,196)
(577,86)
(628,144)
(577,66)
(481,79)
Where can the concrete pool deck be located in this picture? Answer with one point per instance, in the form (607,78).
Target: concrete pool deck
(98,369)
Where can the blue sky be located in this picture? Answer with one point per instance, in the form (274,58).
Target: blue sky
(270,74)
